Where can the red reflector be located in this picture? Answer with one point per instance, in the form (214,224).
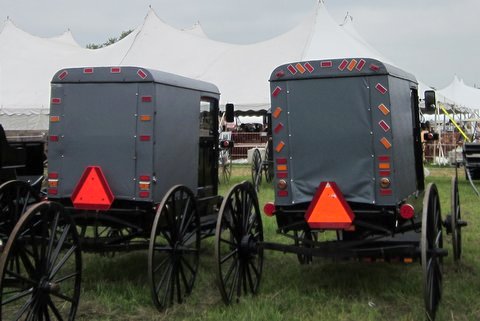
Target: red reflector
(269,209)
(141,74)
(326,64)
(280,74)
(144,194)
(361,64)
(147,99)
(384,158)
(56,101)
(278,128)
(384,173)
(282,193)
(281,161)
(384,125)
(386,192)
(53,138)
(343,65)
(53,175)
(276,91)
(52,191)
(374,67)
(115,70)
(292,69)
(328,209)
(144,178)
(63,75)
(92,191)
(282,175)
(380,88)
(309,67)
(144,138)
(88,70)
(407,211)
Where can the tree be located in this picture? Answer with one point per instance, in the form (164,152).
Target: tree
(110,41)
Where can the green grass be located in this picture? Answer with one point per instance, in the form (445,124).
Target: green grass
(117,288)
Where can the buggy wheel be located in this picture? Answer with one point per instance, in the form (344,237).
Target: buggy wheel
(256,169)
(268,165)
(238,252)
(44,281)
(15,198)
(456,222)
(300,238)
(226,165)
(431,247)
(174,247)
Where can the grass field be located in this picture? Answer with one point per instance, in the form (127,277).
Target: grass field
(117,288)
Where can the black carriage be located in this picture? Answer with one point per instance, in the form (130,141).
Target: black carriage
(132,164)
(347,157)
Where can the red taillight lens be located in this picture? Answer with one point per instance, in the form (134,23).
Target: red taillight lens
(269,209)
(407,211)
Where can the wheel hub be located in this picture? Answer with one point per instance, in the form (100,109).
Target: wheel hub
(49,286)
(248,245)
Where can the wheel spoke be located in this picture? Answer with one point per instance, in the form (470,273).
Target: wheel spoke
(23,309)
(54,309)
(162,263)
(17,296)
(62,262)
(228,256)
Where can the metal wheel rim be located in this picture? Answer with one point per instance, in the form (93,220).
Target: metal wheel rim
(239,268)
(431,239)
(455,218)
(45,282)
(173,254)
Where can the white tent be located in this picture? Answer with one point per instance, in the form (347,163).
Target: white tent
(461,95)
(241,72)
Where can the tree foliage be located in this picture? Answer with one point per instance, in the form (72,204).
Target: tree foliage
(110,41)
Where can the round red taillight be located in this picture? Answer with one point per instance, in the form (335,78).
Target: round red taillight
(269,209)
(407,211)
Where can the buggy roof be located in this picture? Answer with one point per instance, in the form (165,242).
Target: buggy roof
(129,74)
(329,68)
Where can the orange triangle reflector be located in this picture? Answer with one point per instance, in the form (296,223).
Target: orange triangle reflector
(92,191)
(328,209)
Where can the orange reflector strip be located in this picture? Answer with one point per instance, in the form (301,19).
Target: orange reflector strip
(281,167)
(277,112)
(279,147)
(144,186)
(407,260)
(386,143)
(145,118)
(384,109)
(300,68)
(384,165)
(53,183)
(352,65)
(54,119)
(328,209)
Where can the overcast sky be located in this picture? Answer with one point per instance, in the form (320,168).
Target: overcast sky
(434,39)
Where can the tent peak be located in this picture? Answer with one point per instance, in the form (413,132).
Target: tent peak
(348,19)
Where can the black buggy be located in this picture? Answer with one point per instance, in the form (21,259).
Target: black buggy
(347,157)
(132,165)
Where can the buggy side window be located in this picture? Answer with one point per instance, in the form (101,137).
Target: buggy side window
(206,118)
(208,147)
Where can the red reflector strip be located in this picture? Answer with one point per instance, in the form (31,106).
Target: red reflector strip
(115,70)
(352,64)
(384,158)
(144,178)
(282,175)
(361,64)
(56,101)
(385,192)
(52,191)
(279,147)
(309,67)
(53,138)
(280,74)
(277,112)
(53,175)
(384,173)
(144,194)
(278,128)
(384,125)
(276,91)
(145,138)
(141,73)
(281,161)
(292,69)
(381,89)
(386,143)
(63,75)
(384,109)
(282,193)
(300,68)
(147,99)
(88,70)
(343,64)
(326,64)
(374,67)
